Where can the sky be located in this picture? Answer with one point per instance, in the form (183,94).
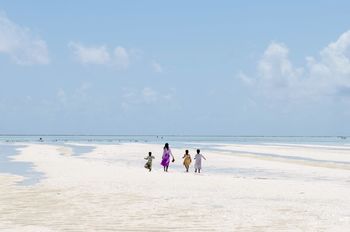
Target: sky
(272,68)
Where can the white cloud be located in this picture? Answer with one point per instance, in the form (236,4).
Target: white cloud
(275,63)
(156,67)
(144,96)
(147,95)
(20,44)
(327,75)
(90,55)
(122,59)
(81,91)
(100,55)
(62,97)
(245,79)
(75,98)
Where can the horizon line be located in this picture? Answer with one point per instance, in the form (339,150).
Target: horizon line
(175,135)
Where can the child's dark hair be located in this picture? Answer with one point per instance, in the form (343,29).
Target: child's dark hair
(149,153)
(166,146)
(198,151)
(186,151)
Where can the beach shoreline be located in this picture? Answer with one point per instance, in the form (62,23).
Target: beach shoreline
(107,189)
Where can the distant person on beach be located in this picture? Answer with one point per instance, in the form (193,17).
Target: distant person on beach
(149,159)
(41,140)
(187,160)
(198,163)
(166,157)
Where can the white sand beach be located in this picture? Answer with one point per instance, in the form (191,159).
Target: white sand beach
(268,187)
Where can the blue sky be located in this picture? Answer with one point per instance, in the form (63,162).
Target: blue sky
(180,67)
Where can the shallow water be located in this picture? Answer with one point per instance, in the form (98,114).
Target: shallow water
(25,169)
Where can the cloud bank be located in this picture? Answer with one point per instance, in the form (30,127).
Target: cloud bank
(326,75)
(20,44)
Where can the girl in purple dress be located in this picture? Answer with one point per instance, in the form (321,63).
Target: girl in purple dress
(166,157)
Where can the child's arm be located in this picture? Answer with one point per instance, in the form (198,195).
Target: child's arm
(173,160)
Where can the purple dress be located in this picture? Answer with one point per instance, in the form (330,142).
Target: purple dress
(166,158)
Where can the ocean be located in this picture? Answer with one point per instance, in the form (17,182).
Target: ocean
(319,140)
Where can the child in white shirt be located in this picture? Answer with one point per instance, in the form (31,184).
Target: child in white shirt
(198,163)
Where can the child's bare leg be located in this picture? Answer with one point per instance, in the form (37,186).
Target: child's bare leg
(199,170)
(166,168)
(195,170)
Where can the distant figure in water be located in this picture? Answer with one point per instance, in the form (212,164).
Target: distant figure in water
(198,163)
(166,157)
(41,140)
(149,159)
(187,160)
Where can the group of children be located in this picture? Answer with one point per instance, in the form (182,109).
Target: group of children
(187,160)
